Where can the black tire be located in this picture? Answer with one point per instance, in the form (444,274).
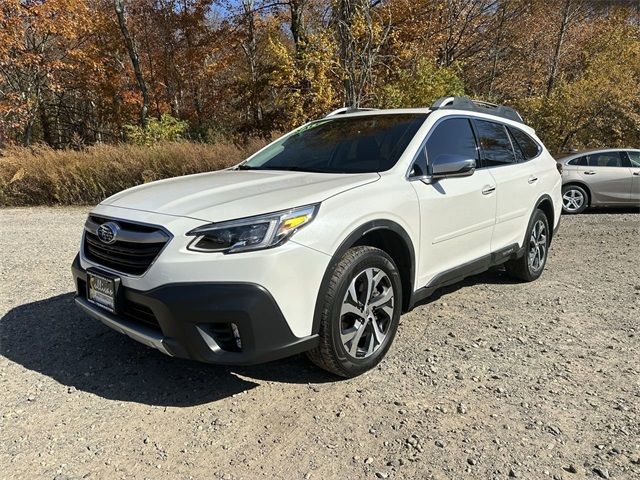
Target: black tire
(331,354)
(522,268)
(580,193)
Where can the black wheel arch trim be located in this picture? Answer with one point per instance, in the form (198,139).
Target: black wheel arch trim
(350,241)
(552,227)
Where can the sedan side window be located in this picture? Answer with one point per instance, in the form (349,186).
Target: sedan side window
(582,161)
(634,157)
(495,143)
(605,159)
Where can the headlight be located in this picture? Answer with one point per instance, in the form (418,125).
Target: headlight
(251,233)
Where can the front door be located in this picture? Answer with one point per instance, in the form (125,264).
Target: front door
(457,214)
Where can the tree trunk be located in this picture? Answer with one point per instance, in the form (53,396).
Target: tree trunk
(356,57)
(298,31)
(497,46)
(249,46)
(558,49)
(135,59)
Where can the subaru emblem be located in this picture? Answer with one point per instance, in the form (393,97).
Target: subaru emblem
(108,232)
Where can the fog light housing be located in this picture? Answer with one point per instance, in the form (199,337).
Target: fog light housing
(236,335)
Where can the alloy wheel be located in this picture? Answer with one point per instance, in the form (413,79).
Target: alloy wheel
(572,200)
(538,246)
(366,313)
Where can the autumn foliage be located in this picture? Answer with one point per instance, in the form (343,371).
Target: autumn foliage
(78,72)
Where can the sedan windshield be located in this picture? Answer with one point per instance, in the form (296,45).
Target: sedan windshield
(369,143)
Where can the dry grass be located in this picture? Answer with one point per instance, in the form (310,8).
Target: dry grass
(43,176)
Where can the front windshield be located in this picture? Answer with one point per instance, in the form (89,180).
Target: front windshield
(370,143)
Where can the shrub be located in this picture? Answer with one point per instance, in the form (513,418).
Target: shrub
(43,176)
(420,87)
(163,129)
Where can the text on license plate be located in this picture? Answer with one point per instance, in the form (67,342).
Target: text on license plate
(101,291)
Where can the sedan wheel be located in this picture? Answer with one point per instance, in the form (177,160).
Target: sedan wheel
(573,199)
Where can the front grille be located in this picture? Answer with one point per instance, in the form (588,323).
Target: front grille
(133,252)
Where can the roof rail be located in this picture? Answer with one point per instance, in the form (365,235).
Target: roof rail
(465,103)
(344,110)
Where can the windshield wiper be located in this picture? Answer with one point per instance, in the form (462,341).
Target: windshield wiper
(288,168)
(293,168)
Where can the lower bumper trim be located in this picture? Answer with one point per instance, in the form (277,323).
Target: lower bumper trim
(137,332)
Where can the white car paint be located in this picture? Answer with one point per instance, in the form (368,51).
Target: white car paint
(449,222)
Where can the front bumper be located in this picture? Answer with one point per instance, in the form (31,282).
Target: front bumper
(194,321)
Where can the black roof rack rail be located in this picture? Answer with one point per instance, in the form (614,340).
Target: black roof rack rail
(465,103)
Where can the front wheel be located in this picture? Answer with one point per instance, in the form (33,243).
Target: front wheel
(360,314)
(530,266)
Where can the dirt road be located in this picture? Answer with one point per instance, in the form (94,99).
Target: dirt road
(490,379)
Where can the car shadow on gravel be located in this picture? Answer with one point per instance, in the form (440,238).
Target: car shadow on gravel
(610,210)
(494,276)
(53,337)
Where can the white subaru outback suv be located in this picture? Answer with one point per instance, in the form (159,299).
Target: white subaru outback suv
(321,240)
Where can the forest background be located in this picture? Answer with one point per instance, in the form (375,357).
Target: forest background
(99,95)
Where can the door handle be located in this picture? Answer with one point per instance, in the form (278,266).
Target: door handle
(637,174)
(589,172)
(533,179)
(488,189)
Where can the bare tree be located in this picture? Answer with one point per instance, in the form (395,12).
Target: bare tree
(250,48)
(135,59)
(357,54)
(298,28)
(570,10)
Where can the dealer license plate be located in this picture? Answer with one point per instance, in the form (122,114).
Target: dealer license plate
(102,290)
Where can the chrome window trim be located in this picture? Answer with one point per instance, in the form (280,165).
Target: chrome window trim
(118,272)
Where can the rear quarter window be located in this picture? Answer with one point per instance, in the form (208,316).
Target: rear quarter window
(528,146)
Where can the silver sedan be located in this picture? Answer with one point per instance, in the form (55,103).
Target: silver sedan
(608,177)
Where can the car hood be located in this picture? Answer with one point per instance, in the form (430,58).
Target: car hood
(229,194)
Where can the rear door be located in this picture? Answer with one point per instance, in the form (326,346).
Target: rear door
(457,214)
(634,158)
(514,181)
(609,177)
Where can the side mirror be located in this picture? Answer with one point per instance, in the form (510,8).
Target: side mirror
(447,165)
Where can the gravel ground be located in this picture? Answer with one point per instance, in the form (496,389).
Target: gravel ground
(490,379)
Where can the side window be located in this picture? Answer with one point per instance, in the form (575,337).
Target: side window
(529,147)
(605,159)
(495,143)
(582,161)
(520,157)
(635,158)
(453,136)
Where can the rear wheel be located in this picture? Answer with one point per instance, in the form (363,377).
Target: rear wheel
(360,314)
(530,266)
(574,199)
